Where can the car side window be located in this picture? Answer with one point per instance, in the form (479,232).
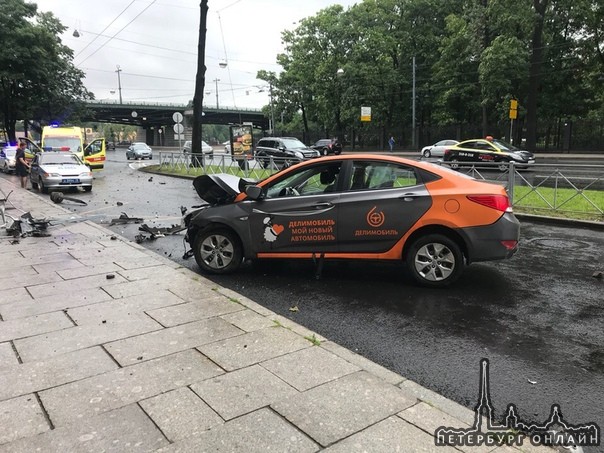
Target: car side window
(381,175)
(315,180)
(484,146)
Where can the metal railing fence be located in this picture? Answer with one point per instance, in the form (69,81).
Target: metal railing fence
(574,190)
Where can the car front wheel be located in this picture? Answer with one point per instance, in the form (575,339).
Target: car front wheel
(218,251)
(435,261)
(427,153)
(42,187)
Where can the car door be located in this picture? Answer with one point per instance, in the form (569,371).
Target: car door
(298,213)
(468,151)
(381,202)
(32,148)
(34,169)
(95,154)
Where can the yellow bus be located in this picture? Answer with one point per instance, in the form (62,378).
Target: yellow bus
(71,139)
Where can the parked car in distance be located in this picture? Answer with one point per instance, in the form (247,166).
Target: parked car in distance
(438,149)
(59,170)
(205,148)
(490,151)
(282,151)
(7,159)
(327,146)
(363,207)
(139,150)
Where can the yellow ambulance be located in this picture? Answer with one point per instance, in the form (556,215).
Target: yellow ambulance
(59,138)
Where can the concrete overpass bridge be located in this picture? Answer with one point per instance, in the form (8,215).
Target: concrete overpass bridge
(155,117)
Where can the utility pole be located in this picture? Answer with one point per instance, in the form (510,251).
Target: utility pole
(413,138)
(119,81)
(216,82)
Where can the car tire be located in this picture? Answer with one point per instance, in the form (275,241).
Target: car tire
(454,164)
(218,251)
(41,186)
(87,188)
(435,261)
(325,152)
(427,154)
(5,168)
(33,184)
(503,166)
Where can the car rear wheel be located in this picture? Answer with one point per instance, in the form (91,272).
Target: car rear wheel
(454,164)
(503,166)
(218,251)
(427,153)
(435,261)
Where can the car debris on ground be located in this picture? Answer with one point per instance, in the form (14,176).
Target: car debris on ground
(58,197)
(26,225)
(124,218)
(156,232)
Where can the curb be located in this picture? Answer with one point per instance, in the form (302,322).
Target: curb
(575,223)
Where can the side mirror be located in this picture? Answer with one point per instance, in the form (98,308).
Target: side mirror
(254,192)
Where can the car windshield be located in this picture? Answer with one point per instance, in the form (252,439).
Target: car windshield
(293,143)
(140,146)
(57,159)
(73,144)
(323,142)
(10,152)
(505,146)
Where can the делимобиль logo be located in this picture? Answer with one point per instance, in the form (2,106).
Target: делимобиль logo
(554,432)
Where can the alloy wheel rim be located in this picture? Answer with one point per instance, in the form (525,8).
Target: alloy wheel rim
(217,251)
(435,262)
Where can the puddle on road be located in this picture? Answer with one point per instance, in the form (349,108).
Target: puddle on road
(558,243)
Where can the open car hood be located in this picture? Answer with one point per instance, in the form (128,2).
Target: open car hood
(220,188)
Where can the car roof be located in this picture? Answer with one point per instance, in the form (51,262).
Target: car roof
(424,165)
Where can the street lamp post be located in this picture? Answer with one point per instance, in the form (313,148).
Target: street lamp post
(270,92)
(119,81)
(216,82)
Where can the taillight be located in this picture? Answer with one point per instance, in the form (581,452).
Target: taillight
(510,245)
(447,151)
(498,202)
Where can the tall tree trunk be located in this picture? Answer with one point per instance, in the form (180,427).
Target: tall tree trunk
(199,82)
(534,74)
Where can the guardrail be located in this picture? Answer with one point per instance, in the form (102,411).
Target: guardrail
(199,164)
(548,189)
(569,189)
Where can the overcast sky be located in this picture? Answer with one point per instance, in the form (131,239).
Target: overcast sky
(155,45)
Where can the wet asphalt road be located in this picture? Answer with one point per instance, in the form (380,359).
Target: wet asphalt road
(538,318)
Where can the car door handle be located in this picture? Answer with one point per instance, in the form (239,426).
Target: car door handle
(323,205)
(408,197)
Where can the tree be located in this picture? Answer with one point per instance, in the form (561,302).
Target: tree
(37,77)
(199,83)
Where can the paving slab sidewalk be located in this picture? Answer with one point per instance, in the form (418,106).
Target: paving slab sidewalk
(157,357)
